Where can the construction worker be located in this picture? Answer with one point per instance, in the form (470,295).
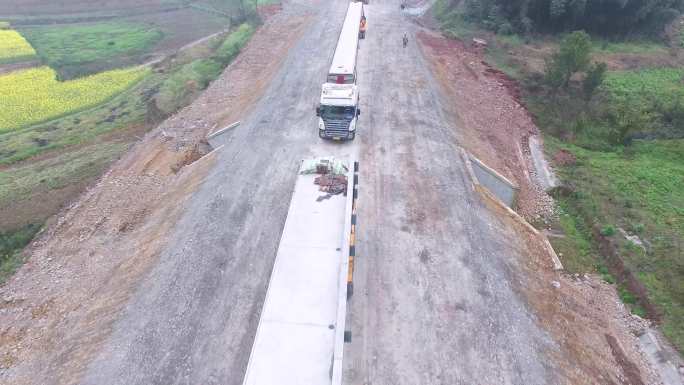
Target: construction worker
(362,28)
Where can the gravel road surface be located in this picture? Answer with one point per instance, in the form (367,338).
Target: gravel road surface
(434,297)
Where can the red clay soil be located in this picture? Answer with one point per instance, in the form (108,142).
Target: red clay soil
(564,158)
(494,125)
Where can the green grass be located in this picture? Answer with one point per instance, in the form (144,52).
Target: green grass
(576,247)
(57,172)
(231,47)
(185,84)
(11,244)
(644,86)
(79,49)
(629,47)
(636,188)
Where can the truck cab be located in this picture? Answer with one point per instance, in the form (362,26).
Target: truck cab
(338,111)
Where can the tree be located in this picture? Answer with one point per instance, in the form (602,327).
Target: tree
(625,120)
(603,17)
(595,76)
(573,56)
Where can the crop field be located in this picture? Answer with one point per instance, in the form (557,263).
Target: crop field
(78,38)
(14,48)
(664,84)
(62,124)
(34,95)
(77,49)
(50,7)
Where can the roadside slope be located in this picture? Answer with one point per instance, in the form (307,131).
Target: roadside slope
(60,306)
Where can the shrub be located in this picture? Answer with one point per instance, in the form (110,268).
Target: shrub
(184,84)
(595,76)
(573,56)
(233,44)
(608,231)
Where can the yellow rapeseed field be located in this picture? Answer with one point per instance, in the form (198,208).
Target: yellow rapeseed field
(34,95)
(13,46)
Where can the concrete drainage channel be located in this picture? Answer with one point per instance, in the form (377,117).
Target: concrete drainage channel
(503,193)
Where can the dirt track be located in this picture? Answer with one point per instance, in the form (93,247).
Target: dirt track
(158,278)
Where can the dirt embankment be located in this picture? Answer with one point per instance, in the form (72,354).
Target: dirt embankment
(593,331)
(495,126)
(60,306)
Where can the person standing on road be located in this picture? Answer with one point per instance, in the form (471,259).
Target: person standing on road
(405,39)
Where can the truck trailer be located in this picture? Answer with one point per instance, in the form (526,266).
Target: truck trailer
(338,111)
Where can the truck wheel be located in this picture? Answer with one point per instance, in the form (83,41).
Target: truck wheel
(352,135)
(320,134)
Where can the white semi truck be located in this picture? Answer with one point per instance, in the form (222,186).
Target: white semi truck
(339,111)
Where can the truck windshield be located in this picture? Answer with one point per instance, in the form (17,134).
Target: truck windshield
(337,112)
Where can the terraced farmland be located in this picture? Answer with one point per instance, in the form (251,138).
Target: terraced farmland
(14,48)
(34,95)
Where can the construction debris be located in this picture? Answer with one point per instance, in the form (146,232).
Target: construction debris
(332,184)
(326,165)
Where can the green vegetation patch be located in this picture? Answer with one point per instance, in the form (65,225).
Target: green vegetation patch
(79,49)
(11,244)
(629,46)
(56,172)
(233,44)
(186,83)
(578,254)
(639,189)
(645,86)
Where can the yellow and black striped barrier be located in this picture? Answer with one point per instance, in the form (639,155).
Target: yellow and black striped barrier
(352,236)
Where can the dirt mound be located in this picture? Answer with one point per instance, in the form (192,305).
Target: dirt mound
(494,124)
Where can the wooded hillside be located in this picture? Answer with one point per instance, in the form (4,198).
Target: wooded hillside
(604,17)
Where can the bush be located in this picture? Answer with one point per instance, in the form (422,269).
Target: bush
(608,231)
(595,76)
(11,244)
(184,84)
(573,56)
(638,228)
(233,44)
